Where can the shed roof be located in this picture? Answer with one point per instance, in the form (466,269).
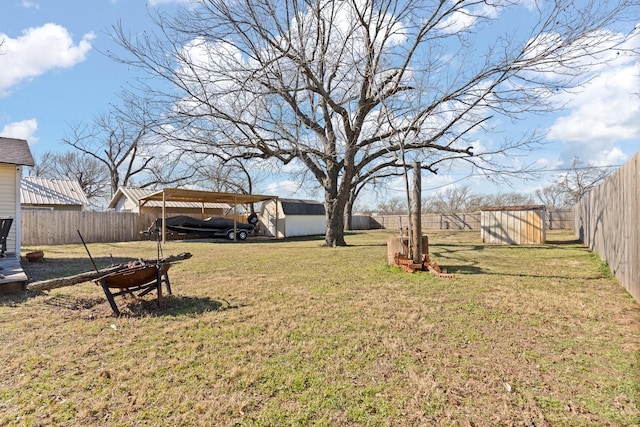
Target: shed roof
(136,194)
(302,207)
(515,208)
(15,152)
(45,191)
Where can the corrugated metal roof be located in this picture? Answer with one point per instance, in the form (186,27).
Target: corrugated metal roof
(15,152)
(45,191)
(301,207)
(135,194)
(515,208)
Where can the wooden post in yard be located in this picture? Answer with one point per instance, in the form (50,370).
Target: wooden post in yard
(416,212)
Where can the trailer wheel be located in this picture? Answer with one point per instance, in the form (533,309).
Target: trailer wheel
(231,235)
(242,235)
(252,219)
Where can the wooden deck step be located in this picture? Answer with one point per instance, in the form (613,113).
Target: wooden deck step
(12,277)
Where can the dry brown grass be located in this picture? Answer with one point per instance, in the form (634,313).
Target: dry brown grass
(293,333)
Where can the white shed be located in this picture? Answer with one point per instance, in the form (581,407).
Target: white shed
(295,217)
(14,154)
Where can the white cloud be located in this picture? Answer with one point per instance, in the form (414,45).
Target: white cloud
(607,157)
(25,129)
(607,110)
(30,5)
(594,153)
(458,21)
(37,51)
(284,188)
(464,19)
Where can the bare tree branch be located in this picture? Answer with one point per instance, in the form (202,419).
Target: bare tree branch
(342,87)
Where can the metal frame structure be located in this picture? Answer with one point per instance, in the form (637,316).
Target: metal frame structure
(200,196)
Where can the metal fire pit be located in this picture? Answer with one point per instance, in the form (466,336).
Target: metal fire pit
(140,278)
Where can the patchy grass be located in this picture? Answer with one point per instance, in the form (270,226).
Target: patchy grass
(293,333)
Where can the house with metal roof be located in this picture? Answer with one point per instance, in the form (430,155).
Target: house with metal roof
(293,217)
(14,154)
(52,194)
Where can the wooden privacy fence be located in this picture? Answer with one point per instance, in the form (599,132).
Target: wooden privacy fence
(49,227)
(607,220)
(462,221)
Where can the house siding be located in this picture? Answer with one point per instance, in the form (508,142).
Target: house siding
(8,203)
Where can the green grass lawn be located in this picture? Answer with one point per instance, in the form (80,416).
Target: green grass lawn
(276,333)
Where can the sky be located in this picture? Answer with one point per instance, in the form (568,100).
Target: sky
(53,74)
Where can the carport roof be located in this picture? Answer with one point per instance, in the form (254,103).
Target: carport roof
(182,195)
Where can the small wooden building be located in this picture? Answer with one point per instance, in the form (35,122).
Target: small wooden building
(292,217)
(519,225)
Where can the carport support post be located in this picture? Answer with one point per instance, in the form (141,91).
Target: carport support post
(276,231)
(235,219)
(164,218)
(416,213)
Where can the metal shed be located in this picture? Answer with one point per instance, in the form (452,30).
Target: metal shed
(293,217)
(509,225)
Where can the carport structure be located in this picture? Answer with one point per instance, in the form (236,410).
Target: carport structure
(200,196)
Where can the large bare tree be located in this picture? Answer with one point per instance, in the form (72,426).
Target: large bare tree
(91,175)
(572,184)
(347,88)
(125,142)
(115,144)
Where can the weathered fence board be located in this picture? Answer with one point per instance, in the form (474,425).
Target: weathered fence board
(514,225)
(46,227)
(49,227)
(463,221)
(607,220)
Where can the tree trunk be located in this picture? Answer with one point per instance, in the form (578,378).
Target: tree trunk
(336,197)
(348,213)
(334,235)
(334,206)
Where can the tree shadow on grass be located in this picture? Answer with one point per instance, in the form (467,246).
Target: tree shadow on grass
(172,305)
(9,300)
(135,307)
(129,306)
(452,256)
(570,242)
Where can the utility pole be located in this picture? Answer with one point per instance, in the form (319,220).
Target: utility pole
(416,215)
